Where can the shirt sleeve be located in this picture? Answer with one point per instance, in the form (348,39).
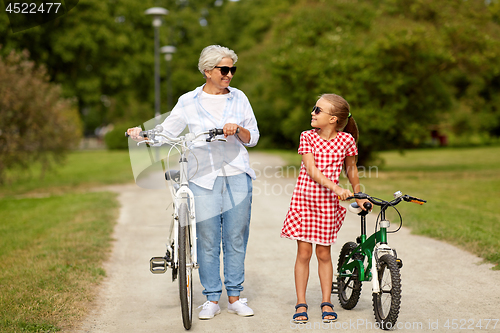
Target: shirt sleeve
(305,146)
(351,149)
(250,123)
(175,123)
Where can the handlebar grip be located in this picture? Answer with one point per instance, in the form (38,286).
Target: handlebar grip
(219,131)
(416,200)
(144,134)
(358,195)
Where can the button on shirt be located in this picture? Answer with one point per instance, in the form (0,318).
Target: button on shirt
(212,157)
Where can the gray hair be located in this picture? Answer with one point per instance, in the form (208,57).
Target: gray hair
(212,55)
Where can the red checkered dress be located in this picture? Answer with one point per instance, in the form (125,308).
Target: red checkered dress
(315,215)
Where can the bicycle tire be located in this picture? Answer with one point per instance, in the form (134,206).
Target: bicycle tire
(185,268)
(349,288)
(387,302)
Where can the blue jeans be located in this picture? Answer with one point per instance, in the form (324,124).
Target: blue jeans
(223,215)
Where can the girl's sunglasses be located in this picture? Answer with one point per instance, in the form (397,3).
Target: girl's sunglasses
(224,70)
(317,110)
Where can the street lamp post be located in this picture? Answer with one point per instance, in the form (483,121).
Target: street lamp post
(168,51)
(157,13)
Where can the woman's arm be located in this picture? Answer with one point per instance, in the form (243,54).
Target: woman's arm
(320,178)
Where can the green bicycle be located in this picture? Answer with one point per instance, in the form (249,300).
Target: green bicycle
(371,259)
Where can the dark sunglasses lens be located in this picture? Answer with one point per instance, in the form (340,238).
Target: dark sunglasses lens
(224,70)
(316,110)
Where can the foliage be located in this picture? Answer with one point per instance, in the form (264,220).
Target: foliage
(406,67)
(115,139)
(36,125)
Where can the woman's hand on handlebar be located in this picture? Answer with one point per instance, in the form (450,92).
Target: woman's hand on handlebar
(230,129)
(134,134)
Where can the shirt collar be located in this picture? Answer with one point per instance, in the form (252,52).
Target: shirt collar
(199,90)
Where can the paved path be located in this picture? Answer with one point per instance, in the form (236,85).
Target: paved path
(441,284)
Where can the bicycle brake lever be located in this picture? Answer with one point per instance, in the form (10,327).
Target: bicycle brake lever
(145,141)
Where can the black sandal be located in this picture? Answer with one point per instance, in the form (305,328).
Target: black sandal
(326,313)
(301,314)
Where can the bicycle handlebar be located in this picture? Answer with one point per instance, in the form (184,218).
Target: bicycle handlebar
(398,197)
(414,200)
(141,133)
(158,129)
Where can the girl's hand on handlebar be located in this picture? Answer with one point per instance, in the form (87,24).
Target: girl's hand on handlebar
(361,203)
(134,134)
(342,193)
(230,129)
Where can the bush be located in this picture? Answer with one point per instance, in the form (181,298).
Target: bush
(37,125)
(115,139)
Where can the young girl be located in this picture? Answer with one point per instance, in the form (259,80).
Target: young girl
(315,215)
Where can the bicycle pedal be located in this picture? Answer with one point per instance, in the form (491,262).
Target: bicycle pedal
(335,288)
(400,262)
(158,265)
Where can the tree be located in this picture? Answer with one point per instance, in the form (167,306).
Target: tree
(404,66)
(36,124)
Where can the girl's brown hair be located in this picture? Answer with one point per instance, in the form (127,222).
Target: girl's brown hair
(341,109)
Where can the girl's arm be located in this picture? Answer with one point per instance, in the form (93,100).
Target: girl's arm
(352,175)
(320,178)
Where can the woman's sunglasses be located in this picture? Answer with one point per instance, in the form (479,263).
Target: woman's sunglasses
(224,70)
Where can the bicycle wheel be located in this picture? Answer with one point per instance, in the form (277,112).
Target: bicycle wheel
(349,287)
(185,267)
(386,303)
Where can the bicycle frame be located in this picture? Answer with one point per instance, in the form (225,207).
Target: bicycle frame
(184,195)
(180,196)
(367,247)
(372,259)
(181,254)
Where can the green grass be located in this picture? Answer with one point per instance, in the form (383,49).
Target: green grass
(51,250)
(54,236)
(82,169)
(461,186)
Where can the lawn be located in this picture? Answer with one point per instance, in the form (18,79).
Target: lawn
(54,236)
(81,170)
(460,185)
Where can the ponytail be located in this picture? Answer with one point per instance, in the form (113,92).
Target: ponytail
(352,128)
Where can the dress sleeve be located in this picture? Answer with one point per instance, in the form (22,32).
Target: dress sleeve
(351,149)
(305,145)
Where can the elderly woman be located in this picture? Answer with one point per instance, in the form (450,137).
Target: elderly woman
(222,180)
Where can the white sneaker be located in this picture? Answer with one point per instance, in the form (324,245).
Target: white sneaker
(240,307)
(210,309)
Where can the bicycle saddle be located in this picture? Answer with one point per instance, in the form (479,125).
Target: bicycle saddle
(354,208)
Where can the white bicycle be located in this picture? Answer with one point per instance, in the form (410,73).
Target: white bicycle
(181,255)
